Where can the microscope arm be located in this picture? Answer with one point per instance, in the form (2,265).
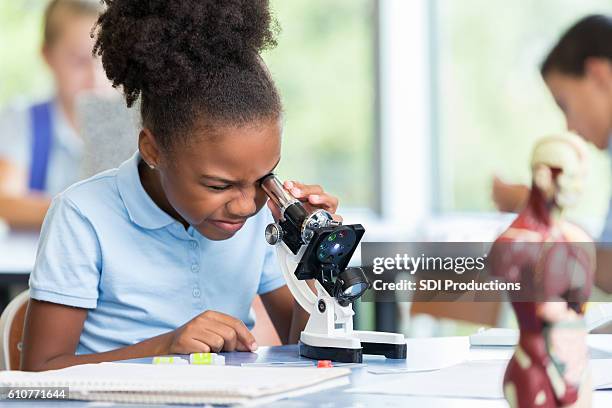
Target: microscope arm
(329,333)
(299,288)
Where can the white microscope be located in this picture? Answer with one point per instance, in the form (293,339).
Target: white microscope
(314,246)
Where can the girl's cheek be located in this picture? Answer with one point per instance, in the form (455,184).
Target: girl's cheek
(210,206)
(260,201)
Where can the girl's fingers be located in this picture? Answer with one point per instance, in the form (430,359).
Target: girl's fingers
(242,332)
(312,194)
(194,346)
(214,341)
(325,201)
(242,347)
(302,191)
(230,338)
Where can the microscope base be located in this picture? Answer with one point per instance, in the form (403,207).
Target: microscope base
(389,350)
(341,355)
(353,355)
(390,345)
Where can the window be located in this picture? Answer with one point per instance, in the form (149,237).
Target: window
(22,72)
(490,102)
(324,67)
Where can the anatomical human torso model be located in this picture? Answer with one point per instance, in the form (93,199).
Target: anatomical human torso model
(554,262)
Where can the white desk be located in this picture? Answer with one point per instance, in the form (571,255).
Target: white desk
(423,353)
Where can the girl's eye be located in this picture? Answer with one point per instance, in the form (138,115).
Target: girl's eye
(219,188)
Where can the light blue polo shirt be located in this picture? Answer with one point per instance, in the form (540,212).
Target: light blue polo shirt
(107,247)
(66,149)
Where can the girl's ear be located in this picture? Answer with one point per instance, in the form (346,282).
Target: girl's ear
(149,150)
(45,52)
(600,70)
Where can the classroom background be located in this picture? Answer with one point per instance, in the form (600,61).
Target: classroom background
(403,109)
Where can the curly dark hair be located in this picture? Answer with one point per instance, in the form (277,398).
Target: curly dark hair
(192,62)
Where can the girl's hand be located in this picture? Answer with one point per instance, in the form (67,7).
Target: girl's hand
(509,197)
(211,332)
(312,196)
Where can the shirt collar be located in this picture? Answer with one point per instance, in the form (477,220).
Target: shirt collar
(141,209)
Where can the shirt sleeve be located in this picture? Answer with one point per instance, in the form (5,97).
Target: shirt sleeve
(271,276)
(68,262)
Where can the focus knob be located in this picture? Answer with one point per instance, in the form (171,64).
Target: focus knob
(274,234)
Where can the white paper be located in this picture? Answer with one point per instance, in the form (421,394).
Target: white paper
(598,314)
(396,370)
(495,337)
(601,373)
(471,379)
(429,353)
(600,342)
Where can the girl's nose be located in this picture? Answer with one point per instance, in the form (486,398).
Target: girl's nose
(244,205)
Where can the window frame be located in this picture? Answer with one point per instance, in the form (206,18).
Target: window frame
(404,103)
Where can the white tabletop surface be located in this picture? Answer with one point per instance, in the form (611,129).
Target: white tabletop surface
(423,353)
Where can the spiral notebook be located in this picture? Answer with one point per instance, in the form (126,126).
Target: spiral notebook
(180,384)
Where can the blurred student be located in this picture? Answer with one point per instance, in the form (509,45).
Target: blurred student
(578,73)
(40,149)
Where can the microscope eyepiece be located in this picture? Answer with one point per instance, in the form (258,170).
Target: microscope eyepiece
(277,193)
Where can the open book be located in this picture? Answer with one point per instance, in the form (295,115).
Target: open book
(180,384)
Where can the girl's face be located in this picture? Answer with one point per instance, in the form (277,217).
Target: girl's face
(213,182)
(586,103)
(70,59)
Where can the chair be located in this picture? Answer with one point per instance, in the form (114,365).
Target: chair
(109,131)
(11,330)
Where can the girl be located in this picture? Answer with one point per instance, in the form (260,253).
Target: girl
(40,149)
(578,73)
(166,253)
